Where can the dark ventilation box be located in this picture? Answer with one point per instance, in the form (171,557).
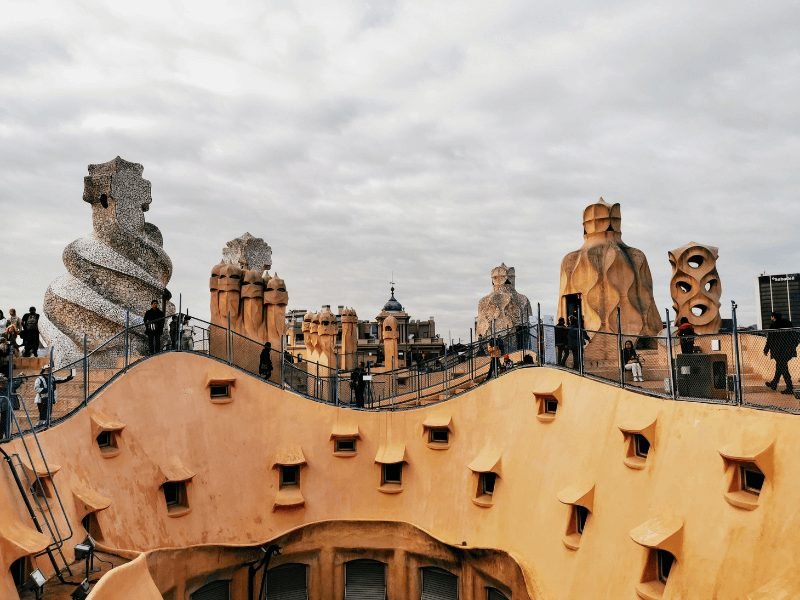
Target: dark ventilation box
(702,375)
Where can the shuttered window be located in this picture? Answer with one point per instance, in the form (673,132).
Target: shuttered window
(365,580)
(216,590)
(288,582)
(438,584)
(494,594)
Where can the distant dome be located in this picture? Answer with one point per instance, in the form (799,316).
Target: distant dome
(393,305)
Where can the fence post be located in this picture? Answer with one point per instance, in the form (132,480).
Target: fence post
(6,433)
(336,384)
(230,340)
(619,348)
(540,358)
(283,360)
(671,359)
(316,383)
(51,393)
(471,356)
(85,370)
(580,341)
(127,338)
(179,326)
(737,363)
(419,384)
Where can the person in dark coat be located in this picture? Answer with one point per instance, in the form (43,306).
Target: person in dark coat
(782,346)
(154,327)
(358,384)
(30,332)
(561,342)
(686,336)
(265,361)
(7,406)
(576,339)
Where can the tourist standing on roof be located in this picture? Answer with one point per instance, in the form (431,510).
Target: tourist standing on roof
(576,338)
(686,336)
(46,393)
(265,361)
(782,346)
(561,342)
(30,332)
(358,384)
(154,327)
(187,334)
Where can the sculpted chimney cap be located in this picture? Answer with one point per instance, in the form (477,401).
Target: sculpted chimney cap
(602,218)
(118,179)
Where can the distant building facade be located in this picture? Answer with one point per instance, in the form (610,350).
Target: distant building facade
(417,338)
(778,293)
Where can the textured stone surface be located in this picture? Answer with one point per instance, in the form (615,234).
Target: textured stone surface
(607,273)
(504,306)
(695,286)
(248,252)
(120,267)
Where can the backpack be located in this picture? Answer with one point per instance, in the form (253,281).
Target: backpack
(32,322)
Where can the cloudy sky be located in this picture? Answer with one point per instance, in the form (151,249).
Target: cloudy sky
(431,140)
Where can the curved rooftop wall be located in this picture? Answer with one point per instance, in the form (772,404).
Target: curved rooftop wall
(552,440)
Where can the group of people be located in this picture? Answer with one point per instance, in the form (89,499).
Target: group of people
(14,327)
(181,330)
(570,340)
(44,389)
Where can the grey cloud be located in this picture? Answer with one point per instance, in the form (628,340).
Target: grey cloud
(371,138)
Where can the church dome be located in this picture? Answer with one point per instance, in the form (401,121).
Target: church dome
(393,305)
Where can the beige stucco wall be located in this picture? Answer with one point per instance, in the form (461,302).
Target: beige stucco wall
(727,552)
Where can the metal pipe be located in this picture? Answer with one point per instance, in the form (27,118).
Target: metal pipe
(283,354)
(540,349)
(738,386)
(85,371)
(580,340)
(619,348)
(672,386)
(179,326)
(230,340)
(127,337)
(51,393)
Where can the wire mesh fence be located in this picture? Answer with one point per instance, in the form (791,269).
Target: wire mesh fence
(751,368)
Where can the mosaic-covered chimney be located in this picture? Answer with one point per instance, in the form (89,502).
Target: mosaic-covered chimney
(119,268)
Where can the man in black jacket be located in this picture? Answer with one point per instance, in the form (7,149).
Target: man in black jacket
(154,327)
(358,384)
(782,345)
(561,342)
(30,332)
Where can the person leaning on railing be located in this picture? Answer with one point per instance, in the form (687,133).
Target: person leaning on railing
(46,396)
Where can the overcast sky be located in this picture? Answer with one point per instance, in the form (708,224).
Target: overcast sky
(431,140)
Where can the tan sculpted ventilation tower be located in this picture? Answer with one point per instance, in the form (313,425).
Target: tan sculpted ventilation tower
(120,267)
(605,273)
(695,286)
(243,291)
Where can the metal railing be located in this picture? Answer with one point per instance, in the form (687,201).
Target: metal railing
(724,368)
